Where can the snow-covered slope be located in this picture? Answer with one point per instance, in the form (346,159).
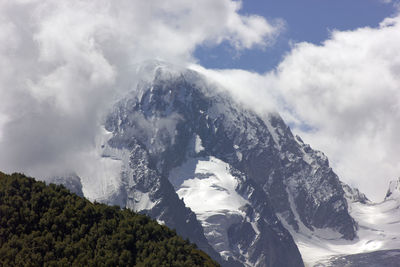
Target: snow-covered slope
(380,258)
(378,230)
(211,182)
(209,189)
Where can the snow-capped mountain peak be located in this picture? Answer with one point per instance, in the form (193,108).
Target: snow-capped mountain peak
(394,190)
(198,141)
(242,187)
(239,185)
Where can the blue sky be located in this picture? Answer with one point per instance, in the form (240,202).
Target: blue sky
(306,21)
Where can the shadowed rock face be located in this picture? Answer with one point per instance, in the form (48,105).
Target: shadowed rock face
(159,126)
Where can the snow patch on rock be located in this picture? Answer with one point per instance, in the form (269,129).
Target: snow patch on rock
(142,201)
(198,147)
(209,180)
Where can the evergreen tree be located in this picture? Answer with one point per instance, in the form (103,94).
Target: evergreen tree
(48,226)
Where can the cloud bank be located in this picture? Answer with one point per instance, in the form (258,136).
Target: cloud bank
(348,91)
(62,62)
(342,97)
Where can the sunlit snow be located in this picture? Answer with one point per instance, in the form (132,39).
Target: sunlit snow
(208,188)
(379,229)
(206,185)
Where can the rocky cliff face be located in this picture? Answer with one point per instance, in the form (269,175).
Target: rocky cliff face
(221,175)
(354,195)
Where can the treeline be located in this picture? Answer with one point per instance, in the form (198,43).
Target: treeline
(44,225)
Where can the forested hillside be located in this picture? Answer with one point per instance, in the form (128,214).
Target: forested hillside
(44,225)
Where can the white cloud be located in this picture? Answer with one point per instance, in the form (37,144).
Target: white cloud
(342,97)
(348,90)
(251,89)
(63,61)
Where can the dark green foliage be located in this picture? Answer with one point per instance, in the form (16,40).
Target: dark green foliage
(48,226)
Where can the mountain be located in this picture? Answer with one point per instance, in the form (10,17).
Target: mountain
(159,127)
(240,185)
(393,192)
(232,181)
(48,226)
(378,236)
